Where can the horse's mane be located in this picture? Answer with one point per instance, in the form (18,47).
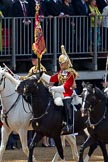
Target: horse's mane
(100,93)
(39,81)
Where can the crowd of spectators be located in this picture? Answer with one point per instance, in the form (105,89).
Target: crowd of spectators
(60,8)
(14,8)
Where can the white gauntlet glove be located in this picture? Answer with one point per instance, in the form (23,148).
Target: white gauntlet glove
(74,93)
(106,90)
(58,89)
(46,78)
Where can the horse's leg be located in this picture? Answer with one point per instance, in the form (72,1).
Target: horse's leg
(104,151)
(36,138)
(58,144)
(93,147)
(4,138)
(72,142)
(87,143)
(56,156)
(23,137)
(91,150)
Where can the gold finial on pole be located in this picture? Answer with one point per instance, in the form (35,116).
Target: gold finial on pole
(37,8)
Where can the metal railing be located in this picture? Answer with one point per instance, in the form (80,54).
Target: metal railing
(80,38)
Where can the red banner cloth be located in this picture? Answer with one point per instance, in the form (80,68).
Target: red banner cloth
(38,46)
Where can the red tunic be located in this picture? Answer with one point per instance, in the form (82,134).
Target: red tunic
(65,78)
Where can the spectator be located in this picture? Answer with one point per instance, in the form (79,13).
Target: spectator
(94,11)
(1,16)
(68,29)
(53,8)
(5,6)
(101,4)
(105,26)
(68,8)
(10,142)
(21,10)
(32,5)
(13,141)
(83,25)
(51,142)
(45,141)
(81,7)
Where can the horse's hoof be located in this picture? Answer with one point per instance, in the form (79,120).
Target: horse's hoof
(34,159)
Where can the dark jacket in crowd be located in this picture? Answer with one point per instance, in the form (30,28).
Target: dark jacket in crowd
(5,6)
(32,5)
(68,10)
(53,8)
(80,8)
(101,4)
(16,9)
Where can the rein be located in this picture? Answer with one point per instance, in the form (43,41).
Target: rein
(5,113)
(13,105)
(8,95)
(93,125)
(45,113)
(28,106)
(3,79)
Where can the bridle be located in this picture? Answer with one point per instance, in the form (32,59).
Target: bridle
(2,80)
(48,105)
(5,113)
(91,109)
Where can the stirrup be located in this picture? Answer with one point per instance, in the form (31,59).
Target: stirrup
(66,130)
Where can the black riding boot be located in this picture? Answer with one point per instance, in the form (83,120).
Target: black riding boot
(68,112)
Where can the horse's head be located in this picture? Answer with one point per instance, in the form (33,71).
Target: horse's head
(2,76)
(28,86)
(88,98)
(91,97)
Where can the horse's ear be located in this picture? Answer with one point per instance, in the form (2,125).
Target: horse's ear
(83,84)
(94,90)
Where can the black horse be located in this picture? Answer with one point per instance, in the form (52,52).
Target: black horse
(48,118)
(95,106)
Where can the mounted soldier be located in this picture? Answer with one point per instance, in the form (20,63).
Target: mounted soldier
(35,69)
(63,92)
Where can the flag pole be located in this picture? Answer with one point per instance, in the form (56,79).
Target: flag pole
(106,71)
(37,15)
(38,46)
